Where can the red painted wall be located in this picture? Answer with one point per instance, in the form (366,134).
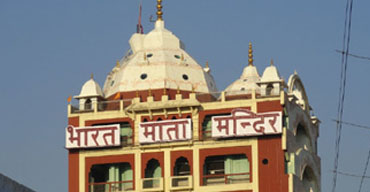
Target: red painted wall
(272,175)
(73,162)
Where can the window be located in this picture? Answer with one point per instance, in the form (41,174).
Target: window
(226,169)
(181,167)
(126,132)
(111,177)
(181,173)
(153,172)
(207,126)
(302,138)
(88,104)
(269,89)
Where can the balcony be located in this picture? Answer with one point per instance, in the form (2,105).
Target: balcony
(221,179)
(152,184)
(111,186)
(193,99)
(181,182)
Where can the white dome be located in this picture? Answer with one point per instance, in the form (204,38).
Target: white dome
(90,89)
(270,74)
(158,60)
(246,83)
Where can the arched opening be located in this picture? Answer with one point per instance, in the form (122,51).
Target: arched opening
(181,167)
(153,171)
(226,169)
(302,138)
(88,104)
(180,172)
(269,89)
(309,180)
(118,176)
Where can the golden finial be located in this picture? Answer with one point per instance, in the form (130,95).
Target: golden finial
(137,93)
(164,91)
(250,54)
(272,62)
(178,90)
(117,64)
(192,88)
(159,10)
(207,65)
(182,57)
(150,92)
(144,56)
(92,76)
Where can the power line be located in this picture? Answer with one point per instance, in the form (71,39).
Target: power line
(352,124)
(364,173)
(351,174)
(353,55)
(342,87)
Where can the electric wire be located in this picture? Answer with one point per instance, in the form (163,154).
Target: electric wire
(353,55)
(342,87)
(351,124)
(364,173)
(351,174)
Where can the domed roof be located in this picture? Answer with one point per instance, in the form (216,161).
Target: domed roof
(247,81)
(90,89)
(271,74)
(158,60)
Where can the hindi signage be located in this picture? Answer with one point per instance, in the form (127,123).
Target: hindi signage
(165,131)
(243,122)
(93,136)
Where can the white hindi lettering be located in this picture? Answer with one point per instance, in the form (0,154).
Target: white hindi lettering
(243,122)
(94,136)
(165,131)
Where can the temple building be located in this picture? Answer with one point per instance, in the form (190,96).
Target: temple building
(160,124)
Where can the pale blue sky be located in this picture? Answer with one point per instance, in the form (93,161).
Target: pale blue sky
(49,48)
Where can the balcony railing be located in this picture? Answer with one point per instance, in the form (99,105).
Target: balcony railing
(111,186)
(220,179)
(152,184)
(117,105)
(181,182)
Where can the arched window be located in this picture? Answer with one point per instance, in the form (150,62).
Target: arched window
(88,104)
(309,180)
(181,167)
(302,138)
(153,170)
(269,89)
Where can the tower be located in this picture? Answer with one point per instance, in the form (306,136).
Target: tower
(160,124)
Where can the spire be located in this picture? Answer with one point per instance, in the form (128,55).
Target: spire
(92,76)
(272,62)
(117,64)
(207,65)
(159,10)
(139,27)
(250,55)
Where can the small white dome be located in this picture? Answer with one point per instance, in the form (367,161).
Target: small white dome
(246,83)
(90,89)
(270,74)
